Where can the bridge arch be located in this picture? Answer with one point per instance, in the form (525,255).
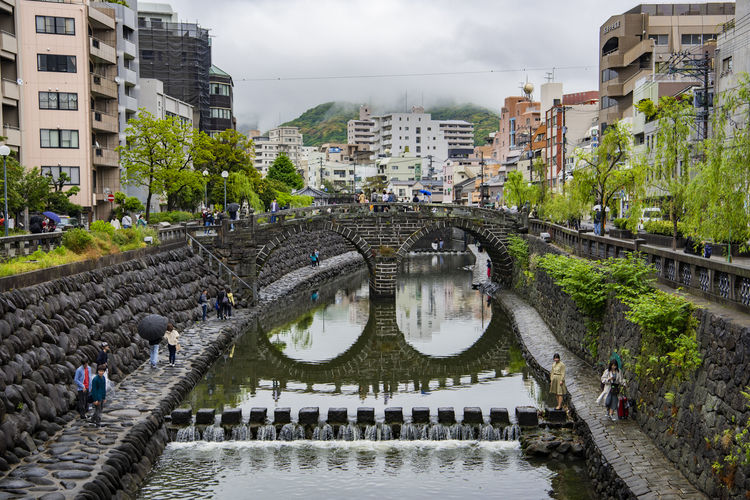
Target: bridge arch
(357,241)
(502,265)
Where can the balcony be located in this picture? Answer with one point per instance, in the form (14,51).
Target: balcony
(103,87)
(8,45)
(105,157)
(11,91)
(129,48)
(101,52)
(130,103)
(129,76)
(100,20)
(104,122)
(12,135)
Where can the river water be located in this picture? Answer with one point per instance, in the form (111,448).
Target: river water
(439,343)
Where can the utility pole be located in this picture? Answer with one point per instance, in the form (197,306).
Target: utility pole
(482,189)
(685,63)
(564,148)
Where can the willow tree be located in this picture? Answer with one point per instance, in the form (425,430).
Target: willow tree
(608,170)
(159,155)
(718,199)
(668,174)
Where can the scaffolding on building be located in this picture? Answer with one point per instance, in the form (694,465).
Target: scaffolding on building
(178,54)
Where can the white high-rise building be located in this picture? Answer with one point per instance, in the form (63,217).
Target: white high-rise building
(413,134)
(286,140)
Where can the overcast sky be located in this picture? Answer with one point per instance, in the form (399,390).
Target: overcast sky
(256,39)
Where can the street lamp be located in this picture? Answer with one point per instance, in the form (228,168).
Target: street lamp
(225,174)
(205,187)
(4,152)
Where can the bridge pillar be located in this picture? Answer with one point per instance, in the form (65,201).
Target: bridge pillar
(383,278)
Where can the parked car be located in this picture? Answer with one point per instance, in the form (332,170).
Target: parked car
(649,214)
(68,222)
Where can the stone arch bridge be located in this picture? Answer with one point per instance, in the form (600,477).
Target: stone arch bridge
(383,237)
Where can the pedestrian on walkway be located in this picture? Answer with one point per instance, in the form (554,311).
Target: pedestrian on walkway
(312,259)
(489,268)
(597,221)
(613,382)
(115,223)
(172,344)
(98,395)
(82,378)
(154,358)
(219,305)
(203,302)
(230,305)
(274,209)
(317,257)
(557,380)
(441,243)
(127,221)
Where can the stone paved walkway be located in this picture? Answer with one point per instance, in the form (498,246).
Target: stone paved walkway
(79,452)
(631,453)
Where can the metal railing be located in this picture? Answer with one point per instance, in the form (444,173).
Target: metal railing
(717,281)
(214,259)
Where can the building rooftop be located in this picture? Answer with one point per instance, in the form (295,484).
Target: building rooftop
(215,70)
(684,9)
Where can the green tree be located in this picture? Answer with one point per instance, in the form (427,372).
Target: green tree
(718,202)
(607,170)
(159,156)
(233,152)
(668,175)
(375,183)
(282,169)
(516,190)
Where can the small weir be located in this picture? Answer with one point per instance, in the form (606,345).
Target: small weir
(339,428)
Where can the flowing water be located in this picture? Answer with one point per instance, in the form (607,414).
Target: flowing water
(439,343)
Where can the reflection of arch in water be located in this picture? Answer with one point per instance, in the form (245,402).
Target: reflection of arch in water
(382,354)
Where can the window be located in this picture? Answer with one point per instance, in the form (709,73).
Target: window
(57,138)
(219,89)
(73,173)
(55,25)
(608,102)
(726,65)
(608,74)
(58,100)
(55,62)
(221,113)
(659,39)
(147,55)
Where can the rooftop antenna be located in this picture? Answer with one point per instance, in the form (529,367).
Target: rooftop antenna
(527,88)
(550,77)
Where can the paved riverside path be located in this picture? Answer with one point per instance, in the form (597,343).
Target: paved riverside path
(79,451)
(631,453)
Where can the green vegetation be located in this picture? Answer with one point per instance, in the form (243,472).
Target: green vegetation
(282,169)
(669,351)
(174,217)
(77,240)
(518,248)
(734,445)
(327,122)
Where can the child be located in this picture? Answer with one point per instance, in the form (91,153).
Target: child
(172,335)
(98,395)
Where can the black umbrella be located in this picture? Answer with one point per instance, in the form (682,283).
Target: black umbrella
(152,327)
(233,207)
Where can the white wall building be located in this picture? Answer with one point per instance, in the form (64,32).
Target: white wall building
(286,140)
(400,168)
(414,133)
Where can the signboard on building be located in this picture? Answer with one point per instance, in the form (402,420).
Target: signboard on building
(334,150)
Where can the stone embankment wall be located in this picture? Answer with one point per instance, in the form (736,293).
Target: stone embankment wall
(703,407)
(295,253)
(46,330)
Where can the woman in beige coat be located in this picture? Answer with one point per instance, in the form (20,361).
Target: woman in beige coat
(557,380)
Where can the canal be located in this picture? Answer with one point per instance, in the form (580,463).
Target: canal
(440,343)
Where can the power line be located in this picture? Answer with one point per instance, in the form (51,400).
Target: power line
(402,75)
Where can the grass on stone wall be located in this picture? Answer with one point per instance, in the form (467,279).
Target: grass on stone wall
(79,245)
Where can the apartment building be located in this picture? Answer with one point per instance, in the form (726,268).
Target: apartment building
(400,168)
(178,54)
(70,97)
(414,133)
(640,42)
(519,117)
(221,101)
(286,140)
(567,119)
(11,89)
(733,50)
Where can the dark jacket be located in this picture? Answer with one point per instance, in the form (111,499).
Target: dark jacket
(35,224)
(101,358)
(98,388)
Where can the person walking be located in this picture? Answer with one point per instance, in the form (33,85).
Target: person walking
(82,378)
(441,243)
(172,344)
(317,258)
(597,222)
(98,395)
(203,302)
(127,221)
(115,223)
(230,303)
(274,209)
(489,268)
(140,221)
(219,304)
(613,381)
(557,380)
(154,352)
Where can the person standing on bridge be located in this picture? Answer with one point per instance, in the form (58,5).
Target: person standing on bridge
(274,209)
(557,380)
(203,302)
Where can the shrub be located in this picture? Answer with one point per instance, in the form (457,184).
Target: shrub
(620,223)
(173,217)
(77,240)
(125,236)
(518,248)
(101,226)
(663,227)
(583,281)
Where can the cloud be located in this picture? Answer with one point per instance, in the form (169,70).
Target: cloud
(303,38)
